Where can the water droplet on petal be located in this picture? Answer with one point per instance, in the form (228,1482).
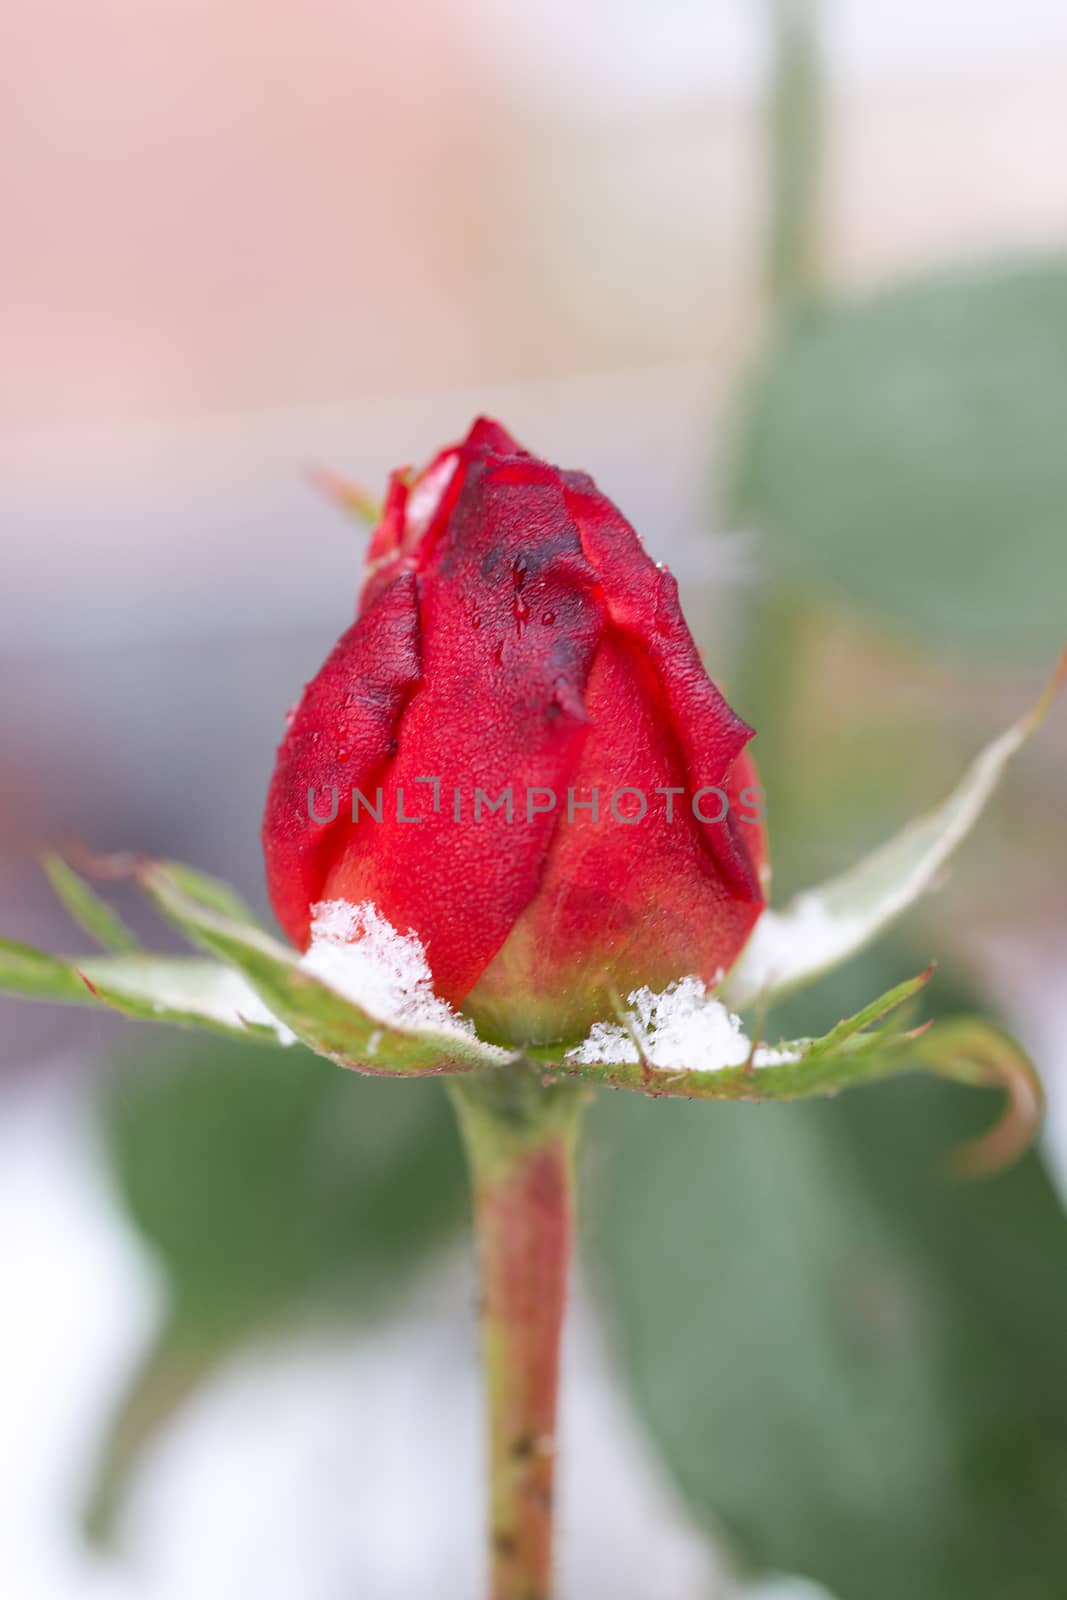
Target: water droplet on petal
(548,618)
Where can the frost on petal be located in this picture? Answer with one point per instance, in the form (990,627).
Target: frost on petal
(682,1028)
(363,957)
(363,687)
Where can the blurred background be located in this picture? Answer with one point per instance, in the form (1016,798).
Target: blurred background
(791,281)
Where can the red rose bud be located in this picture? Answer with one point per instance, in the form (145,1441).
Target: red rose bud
(520,679)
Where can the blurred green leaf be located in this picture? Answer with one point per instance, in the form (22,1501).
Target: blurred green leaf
(906,452)
(269,1184)
(259,1175)
(851,1361)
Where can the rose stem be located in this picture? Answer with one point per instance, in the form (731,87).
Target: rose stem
(520,1138)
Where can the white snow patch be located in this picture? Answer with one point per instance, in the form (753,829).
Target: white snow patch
(363,957)
(766,1055)
(682,1028)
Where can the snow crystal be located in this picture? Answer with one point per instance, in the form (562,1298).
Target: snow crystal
(683,1027)
(766,1055)
(364,958)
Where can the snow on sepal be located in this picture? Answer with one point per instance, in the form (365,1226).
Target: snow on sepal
(686,1044)
(823,927)
(315,995)
(369,1005)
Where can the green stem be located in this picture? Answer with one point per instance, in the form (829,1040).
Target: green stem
(520,1138)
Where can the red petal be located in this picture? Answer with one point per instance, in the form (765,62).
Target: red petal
(405,536)
(643,601)
(490,438)
(747,814)
(386,548)
(511,615)
(621,904)
(340,735)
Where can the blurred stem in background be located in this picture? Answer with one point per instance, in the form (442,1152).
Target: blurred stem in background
(780,620)
(795,151)
(520,1138)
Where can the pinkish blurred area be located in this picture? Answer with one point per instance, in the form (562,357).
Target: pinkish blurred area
(213,208)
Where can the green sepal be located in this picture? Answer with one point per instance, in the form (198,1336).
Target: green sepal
(875,1043)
